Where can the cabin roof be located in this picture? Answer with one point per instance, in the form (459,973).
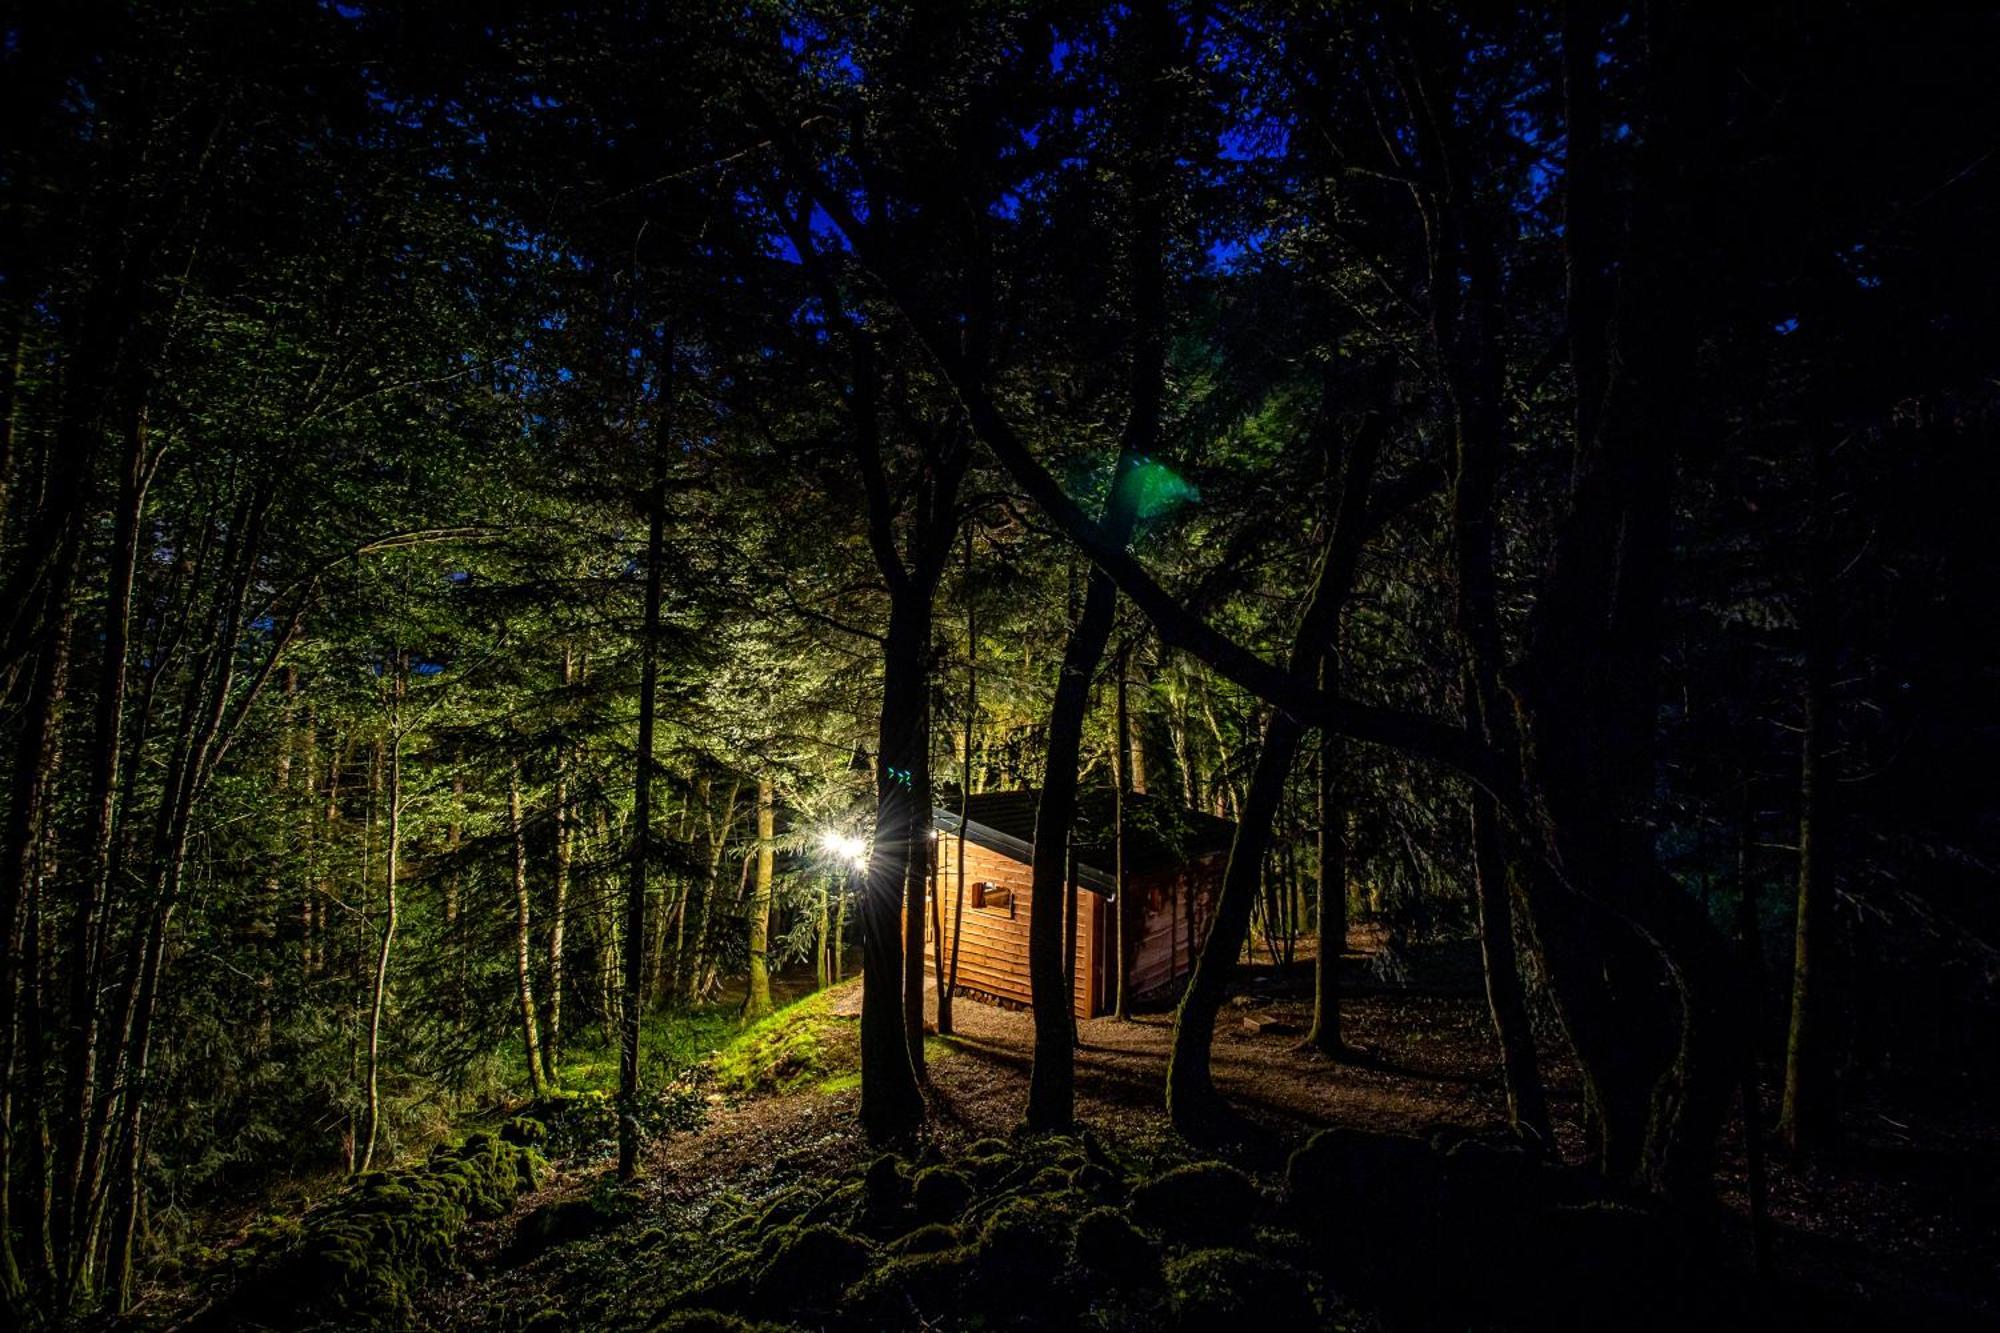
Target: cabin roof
(1158,833)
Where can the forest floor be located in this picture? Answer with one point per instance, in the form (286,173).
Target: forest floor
(1902,1226)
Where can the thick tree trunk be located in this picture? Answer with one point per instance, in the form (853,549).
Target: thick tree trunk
(916,878)
(891,1105)
(1197,1110)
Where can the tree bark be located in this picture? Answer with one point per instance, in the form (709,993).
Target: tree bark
(1325,1035)
(381,986)
(1806,1118)
(524,977)
(757,994)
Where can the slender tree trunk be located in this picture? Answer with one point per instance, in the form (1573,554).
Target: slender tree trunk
(634,942)
(1506,1003)
(1325,1035)
(559,898)
(524,980)
(1125,921)
(948,984)
(757,996)
(381,987)
(1806,1118)
(1750,940)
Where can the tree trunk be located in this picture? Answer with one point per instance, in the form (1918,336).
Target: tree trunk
(1125,921)
(1325,1034)
(1506,1002)
(891,1105)
(1194,1105)
(381,986)
(757,996)
(1806,1118)
(524,978)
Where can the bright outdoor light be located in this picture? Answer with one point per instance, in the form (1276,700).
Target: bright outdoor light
(845,846)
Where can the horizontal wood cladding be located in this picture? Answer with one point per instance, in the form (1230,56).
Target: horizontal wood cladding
(993,950)
(1175,907)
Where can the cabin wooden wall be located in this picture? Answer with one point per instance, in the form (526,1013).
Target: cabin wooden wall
(1170,898)
(993,958)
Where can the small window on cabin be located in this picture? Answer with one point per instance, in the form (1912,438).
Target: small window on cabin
(990,897)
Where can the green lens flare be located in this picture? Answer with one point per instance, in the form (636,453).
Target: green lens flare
(1160,488)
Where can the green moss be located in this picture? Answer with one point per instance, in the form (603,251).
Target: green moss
(1224,1287)
(808,1269)
(940,1193)
(884,1187)
(932,1239)
(927,1285)
(796,1047)
(361,1254)
(1020,1252)
(1110,1248)
(1206,1203)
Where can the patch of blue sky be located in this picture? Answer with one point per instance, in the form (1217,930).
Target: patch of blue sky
(1256,138)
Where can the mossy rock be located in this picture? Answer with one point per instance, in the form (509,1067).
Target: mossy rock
(1205,1203)
(557,1223)
(885,1194)
(1382,1190)
(525,1131)
(1099,1182)
(988,1160)
(787,1205)
(932,1238)
(940,1193)
(1222,1288)
(839,1203)
(1017,1260)
(808,1269)
(1111,1249)
(359,1256)
(713,1321)
(908,1289)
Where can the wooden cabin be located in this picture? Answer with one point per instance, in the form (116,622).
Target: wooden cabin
(1174,860)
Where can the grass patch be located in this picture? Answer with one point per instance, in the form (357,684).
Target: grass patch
(670,1045)
(801,1046)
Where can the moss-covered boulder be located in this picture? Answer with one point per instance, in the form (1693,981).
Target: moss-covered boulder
(988,1160)
(1229,1288)
(940,1194)
(1350,1183)
(1017,1259)
(358,1257)
(1203,1203)
(933,1238)
(807,1269)
(1113,1251)
(713,1321)
(908,1290)
(885,1197)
